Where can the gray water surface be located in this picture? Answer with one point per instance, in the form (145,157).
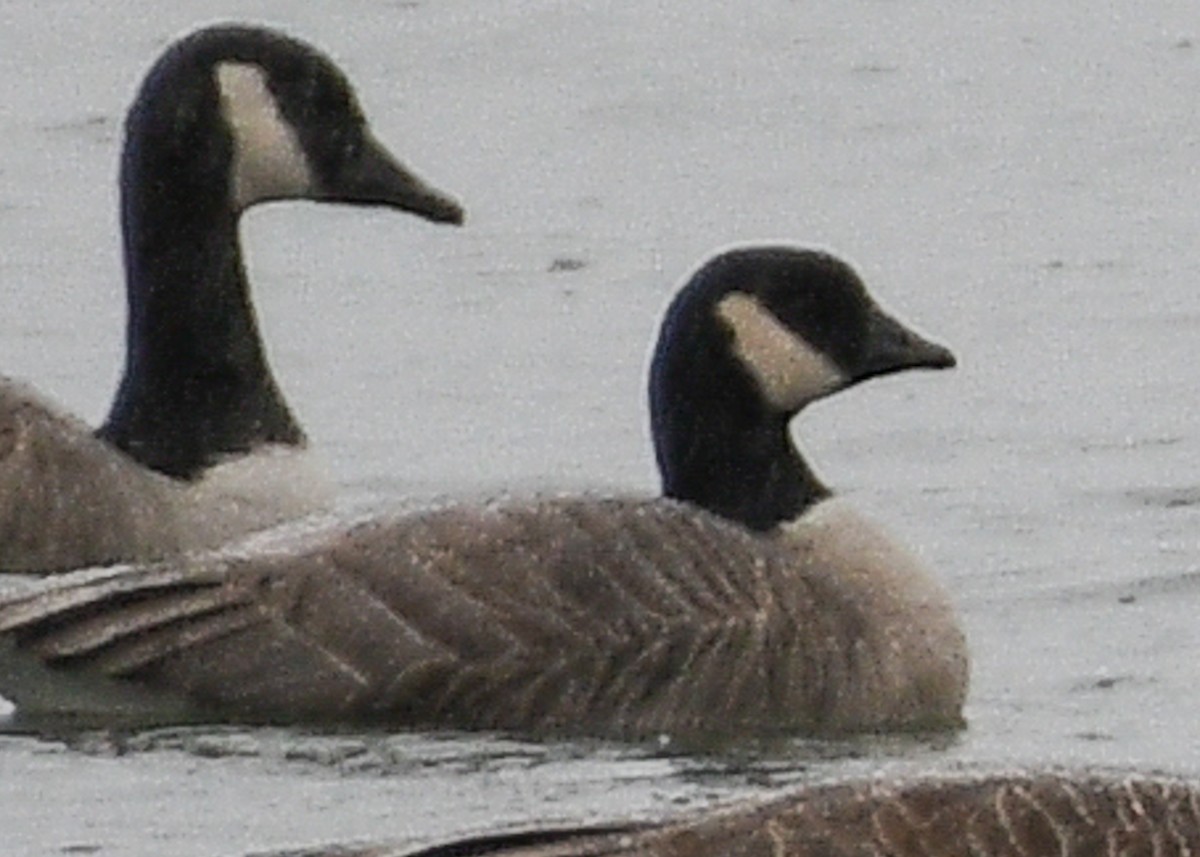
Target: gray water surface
(1019,182)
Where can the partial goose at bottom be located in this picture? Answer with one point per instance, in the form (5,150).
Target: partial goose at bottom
(1048,814)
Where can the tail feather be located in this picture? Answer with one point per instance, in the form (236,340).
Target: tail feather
(59,598)
(96,626)
(138,654)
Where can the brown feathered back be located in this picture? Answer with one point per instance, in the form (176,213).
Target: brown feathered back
(69,500)
(624,618)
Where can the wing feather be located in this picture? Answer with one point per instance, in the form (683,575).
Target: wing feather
(615,617)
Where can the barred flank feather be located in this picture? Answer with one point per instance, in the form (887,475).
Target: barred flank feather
(583,616)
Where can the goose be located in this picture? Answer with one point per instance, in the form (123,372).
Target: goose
(984,815)
(199,446)
(746,601)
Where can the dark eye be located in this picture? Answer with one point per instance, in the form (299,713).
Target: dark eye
(304,86)
(351,143)
(328,101)
(314,92)
(793,305)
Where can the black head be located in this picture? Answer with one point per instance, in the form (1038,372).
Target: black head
(754,336)
(227,117)
(261,116)
(794,325)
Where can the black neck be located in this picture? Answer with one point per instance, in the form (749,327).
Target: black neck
(718,447)
(197,385)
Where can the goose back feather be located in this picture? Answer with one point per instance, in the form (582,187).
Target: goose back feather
(1025,815)
(617,617)
(66,500)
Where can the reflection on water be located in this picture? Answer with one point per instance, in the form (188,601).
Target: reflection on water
(264,788)
(358,753)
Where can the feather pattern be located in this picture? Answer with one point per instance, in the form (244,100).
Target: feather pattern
(67,499)
(1033,815)
(600,616)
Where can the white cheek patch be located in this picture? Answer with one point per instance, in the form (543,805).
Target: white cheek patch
(790,373)
(268,161)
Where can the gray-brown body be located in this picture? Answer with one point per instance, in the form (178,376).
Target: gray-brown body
(583,616)
(1042,815)
(69,499)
